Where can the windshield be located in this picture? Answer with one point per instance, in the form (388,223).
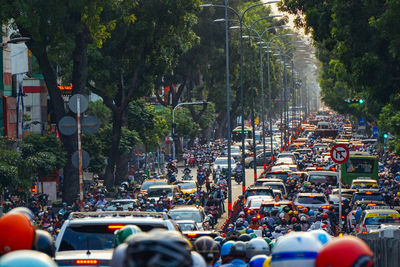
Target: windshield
(360,165)
(282,176)
(96,237)
(311,200)
(188,185)
(123,204)
(188,226)
(223,161)
(186,215)
(235,150)
(146,185)
(266,192)
(391,218)
(268,208)
(376,197)
(275,186)
(358,185)
(323,179)
(255,203)
(157,192)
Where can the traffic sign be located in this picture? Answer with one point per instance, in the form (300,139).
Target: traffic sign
(73,103)
(340,153)
(67,125)
(85,159)
(90,125)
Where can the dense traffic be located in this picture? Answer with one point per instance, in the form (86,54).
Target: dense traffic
(298,212)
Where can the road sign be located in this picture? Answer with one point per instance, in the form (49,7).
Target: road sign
(361,122)
(90,125)
(74,100)
(85,159)
(67,125)
(340,153)
(375,132)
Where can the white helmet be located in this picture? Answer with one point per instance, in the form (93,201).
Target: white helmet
(295,249)
(257,246)
(198,260)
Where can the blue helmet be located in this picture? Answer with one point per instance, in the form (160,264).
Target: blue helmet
(311,213)
(258,260)
(249,231)
(226,248)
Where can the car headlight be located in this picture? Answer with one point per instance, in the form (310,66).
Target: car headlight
(246,160)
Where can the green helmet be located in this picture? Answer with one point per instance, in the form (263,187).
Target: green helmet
(122,234)
(267,240)
(253,235)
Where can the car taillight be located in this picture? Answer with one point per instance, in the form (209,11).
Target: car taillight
(258,216)
(86,262)
(115,226)
(353,213)
(299,206)
(371,204)
(325,207)
(191,235)
(342,217)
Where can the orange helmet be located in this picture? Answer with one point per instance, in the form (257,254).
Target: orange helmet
(352,250)
(305,210)
(16,232)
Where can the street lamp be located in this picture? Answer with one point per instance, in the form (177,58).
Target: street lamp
(173,121)
(241,18)
(18,40)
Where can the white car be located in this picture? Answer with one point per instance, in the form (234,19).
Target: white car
(222,163)
(90,235)
(312,201)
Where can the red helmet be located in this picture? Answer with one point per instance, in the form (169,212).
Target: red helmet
(16,232)
(294,220)
(304,210)
(254,219)
(352,250)
(325,216)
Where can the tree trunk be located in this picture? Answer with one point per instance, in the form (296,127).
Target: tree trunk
(221,130)
(113,155)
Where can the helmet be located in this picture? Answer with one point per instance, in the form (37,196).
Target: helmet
(198,260)
(23,210)
(304,210)
(321,236)
(157,248)
(257,246)
(244,237)
(311,213)
(23,233)
(22,258)
(122,234)
(208,248)
(294,220)
(226,248)
(118,256)
(45,243)
(352,250)
(249,231)
(295,249)
(324,216)
(260,261)
(254,219)
(238,250)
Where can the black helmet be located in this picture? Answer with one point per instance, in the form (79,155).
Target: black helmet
(45,243)
(208,248)
(157,248)
(238,250)
(244,237)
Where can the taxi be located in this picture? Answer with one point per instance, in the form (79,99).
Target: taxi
(187,187)
(372,219)
(364,184)
(151,182)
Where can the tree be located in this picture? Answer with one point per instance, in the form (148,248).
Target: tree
(137,53)
(60,33)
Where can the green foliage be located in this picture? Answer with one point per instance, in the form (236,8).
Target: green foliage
(100,111)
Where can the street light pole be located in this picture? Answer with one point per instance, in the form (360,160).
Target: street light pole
(173,121)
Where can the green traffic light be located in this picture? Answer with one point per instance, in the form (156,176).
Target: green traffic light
(361,101)
(385,136)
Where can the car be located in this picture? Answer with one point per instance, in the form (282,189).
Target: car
(253,203)
(90,235)
(373,218)
(187,225)
(149,182)
(323,177)
(158,191)
(351,219)
(312,201)
(286,155)
(268,206)
(367,195)
(125,204)
(222,163)
(277,185)
(194,213)
(283,175)
(344,191)
(258,191)
(284,168)
(187,187)
(260,159)
(364,184)
(260,181)
(285,161)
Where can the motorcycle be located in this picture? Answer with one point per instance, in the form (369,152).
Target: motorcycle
(201,177)
(239,177)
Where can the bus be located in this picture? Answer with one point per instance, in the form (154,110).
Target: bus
(359,165)
(237,136)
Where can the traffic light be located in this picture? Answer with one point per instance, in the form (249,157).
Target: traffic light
(355,101)
(386,136)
